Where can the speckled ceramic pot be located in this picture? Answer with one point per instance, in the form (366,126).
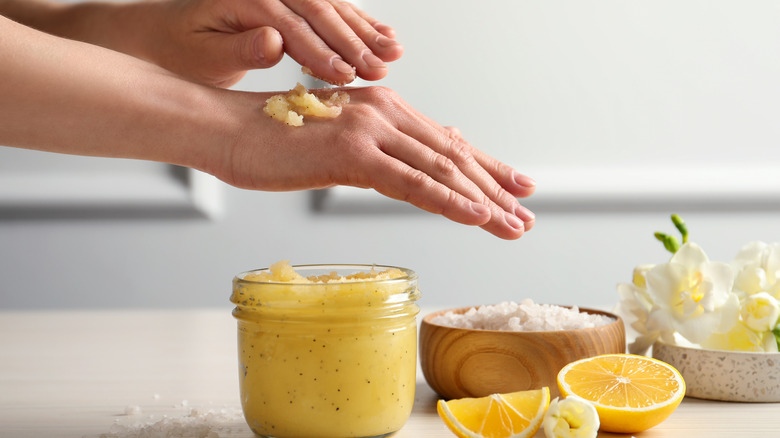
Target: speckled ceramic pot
(725,375)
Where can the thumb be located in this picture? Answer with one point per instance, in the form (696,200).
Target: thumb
(255,48)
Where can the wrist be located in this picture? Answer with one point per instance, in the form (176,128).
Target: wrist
(69,97)
(204,129)
(228,128)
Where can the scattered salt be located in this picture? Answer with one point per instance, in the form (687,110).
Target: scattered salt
(133,410)
(214,423)
(526,316)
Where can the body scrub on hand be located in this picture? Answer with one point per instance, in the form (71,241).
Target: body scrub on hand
(326,351)
(291,107)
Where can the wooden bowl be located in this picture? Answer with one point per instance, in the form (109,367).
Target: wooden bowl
(459,362)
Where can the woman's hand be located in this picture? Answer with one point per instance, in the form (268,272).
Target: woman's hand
(69,97)
(379,142)
(217,41)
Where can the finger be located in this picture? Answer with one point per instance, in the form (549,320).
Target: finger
(380,27)
(509,212)
(254,48)
(441,168)
(506,210)
(442,171)
(491,179)
(453,131)
(384,47)
(339,37)
(516,183)
(306,47)
(396,179)
(529,223)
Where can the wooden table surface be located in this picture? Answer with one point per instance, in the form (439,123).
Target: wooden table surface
(88,373)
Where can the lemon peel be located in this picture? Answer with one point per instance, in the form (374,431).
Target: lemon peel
(511,415)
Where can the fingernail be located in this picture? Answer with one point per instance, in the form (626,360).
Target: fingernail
(525,214)
(523,180)
(270,50)
(342,67)
(372,61)
(513,221)
(479,209)
(385,41)
(528,226)
(384,30)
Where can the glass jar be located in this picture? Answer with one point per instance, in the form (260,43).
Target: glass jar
(327,359)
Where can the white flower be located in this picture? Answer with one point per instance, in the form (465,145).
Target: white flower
(742,338)
(760,312)
(572,417)
(635,305)
(758,266)
(691,296)
(695,302)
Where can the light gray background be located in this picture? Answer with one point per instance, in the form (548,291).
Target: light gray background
(595,87)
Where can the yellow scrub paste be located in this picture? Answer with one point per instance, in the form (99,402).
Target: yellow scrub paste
(326,351)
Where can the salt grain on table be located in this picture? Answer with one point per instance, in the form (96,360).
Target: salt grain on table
(221,423)
(526,316)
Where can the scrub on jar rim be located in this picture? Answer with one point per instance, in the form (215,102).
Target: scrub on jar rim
(326,351)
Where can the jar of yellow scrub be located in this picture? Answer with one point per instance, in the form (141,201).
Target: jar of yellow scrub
(326,350)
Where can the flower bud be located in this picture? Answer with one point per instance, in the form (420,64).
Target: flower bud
(572,417)
(760,312)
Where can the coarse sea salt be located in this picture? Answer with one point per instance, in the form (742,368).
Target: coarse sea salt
(526,316)
(132,410)
(212,423)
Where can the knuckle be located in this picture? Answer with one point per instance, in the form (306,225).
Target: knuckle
(453,198)
(504,199)
(242,50)
(459,151)
(340,5)
(380,94)
(318,8)
(416,180)
(363,112)
(356,44)
(454,132)
(445,166)
(291,22)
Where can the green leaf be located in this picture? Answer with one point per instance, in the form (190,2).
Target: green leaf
(776,332)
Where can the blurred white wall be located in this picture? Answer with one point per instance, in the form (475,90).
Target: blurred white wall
(624,112)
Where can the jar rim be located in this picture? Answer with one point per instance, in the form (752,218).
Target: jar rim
(340,295)
(410,274)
